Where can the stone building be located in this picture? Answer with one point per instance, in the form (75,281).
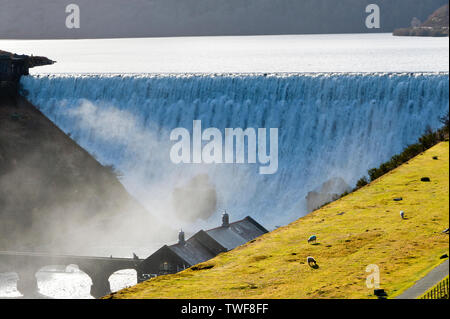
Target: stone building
(12,67)
(201,247)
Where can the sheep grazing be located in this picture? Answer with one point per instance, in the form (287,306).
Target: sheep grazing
(402,214)
(312,239)
(311,261)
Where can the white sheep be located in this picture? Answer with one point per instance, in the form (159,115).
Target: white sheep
(312,238)
(402,214)
(311,261)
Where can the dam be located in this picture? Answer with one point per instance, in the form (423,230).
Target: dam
(331,125)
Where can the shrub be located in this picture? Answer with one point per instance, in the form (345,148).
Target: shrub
(445,122)
(362,182)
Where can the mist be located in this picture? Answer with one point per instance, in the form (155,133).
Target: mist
(56,198)
(187,196)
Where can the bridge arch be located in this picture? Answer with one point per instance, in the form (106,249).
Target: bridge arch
(63,282)
(122,279)
(99,269)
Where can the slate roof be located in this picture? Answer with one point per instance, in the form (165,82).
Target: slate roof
(237,233)
(198,248)
(205,245)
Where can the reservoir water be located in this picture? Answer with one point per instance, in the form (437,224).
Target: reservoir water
(289,53)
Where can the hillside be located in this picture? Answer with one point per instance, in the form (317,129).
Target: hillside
(54,196)
(436,25)
(162,18)
(360,229)
(439,19)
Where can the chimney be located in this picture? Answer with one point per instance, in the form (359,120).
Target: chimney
(181,240)
(225,219)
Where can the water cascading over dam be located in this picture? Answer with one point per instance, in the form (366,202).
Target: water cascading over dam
(330,125)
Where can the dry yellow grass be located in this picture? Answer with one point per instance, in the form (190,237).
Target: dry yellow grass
(369,232)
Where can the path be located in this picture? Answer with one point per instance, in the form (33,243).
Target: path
(421,286)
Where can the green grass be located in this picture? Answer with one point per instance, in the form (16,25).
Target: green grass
(369,232)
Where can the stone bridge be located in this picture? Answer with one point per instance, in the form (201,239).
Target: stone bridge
(99,269)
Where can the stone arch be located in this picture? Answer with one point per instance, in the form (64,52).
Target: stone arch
(63,281)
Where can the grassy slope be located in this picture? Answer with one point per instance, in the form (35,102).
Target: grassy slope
(370,232)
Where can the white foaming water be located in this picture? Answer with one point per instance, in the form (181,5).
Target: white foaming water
(68,283)
(288,53)
(330,125)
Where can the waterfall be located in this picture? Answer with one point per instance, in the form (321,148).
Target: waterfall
(329,126)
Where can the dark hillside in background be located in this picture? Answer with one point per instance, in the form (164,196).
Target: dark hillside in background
(158,18)
(438,19)
(436,25)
